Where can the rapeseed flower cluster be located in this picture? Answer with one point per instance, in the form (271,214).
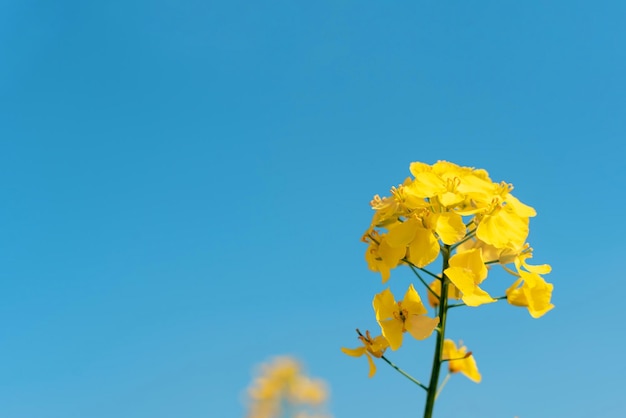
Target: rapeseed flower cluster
(445,204)
(459,216)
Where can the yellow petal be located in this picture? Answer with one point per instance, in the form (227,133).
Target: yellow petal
(392,331)
(424,248)
(447,168)
(458,362)
(390,256)
(477,297)
(479,189)
(520,261)
(380,256)
(377,346)
(450,227)
(449,350)
(370,360)
(450,199)
(384,305)
(412,302)
(358,352)
(515,295)
(503,229)
(534,293)
(470,369)
(418,167)
(462,278)
(354,352)
(420,326)
(471,261)
(538,293)
(539,269)
(427,184)
(520,208)
(465,281)
(400,235)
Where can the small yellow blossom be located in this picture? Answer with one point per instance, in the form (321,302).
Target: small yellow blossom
(505,224)
(408,315)
(371,347)
(459,360)
(401,204)
(380,256)
(521,264)
(466,271)
(441,183)
(531,291)
(418,241)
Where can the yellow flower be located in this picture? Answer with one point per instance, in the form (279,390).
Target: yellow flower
(525,254)
(462,189)
(371,347)
(438,183)
(467,270)
(411,235)
(505,224)
(380,256)
(459,360)
(400,204)
(395,318)
(308,391)
(531,291)
(282,384)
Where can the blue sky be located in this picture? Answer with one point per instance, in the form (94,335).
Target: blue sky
(185,184)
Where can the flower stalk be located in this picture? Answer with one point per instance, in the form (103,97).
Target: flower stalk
(403,373)
(443,310)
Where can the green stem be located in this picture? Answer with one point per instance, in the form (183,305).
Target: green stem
(430,274)
(468,236)
(413,266)
(443,310)
(414,269)
(403,373)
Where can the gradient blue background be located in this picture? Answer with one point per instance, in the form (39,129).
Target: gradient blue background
(185,183)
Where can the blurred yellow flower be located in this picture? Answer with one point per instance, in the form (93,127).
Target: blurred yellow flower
(407,315)
(460,361)
(281,383)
